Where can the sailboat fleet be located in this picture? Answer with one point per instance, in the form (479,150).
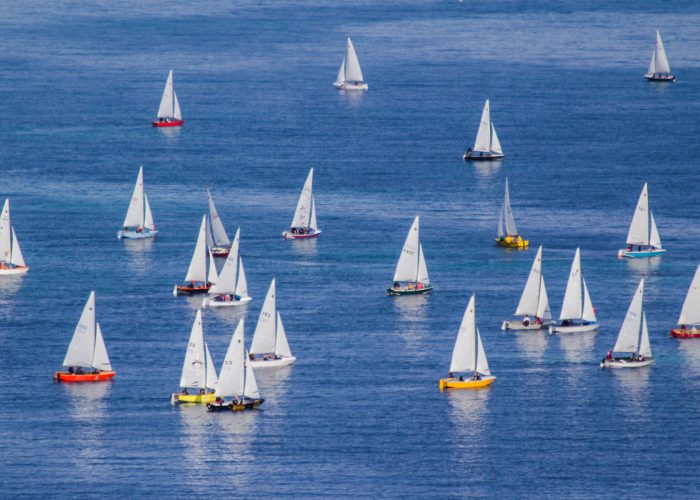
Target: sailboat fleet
(659,69)
(169,114)
(11,258)
(643,232)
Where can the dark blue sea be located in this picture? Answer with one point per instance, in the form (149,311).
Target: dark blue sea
(359,414)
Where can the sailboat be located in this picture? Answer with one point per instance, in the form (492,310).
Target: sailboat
(230,287)
(236,378)
(534,303)
(350,75)
(643,232)
(11,258)
(198,280)
(138,223)
(217,239)
(469,368)
(659,70)
(169,114)
(577,311)
(198,370)
(411,276)
(690,314)
(86,359)
(270,347)
(304,224)
(631,343)
(510,238)
(487,147)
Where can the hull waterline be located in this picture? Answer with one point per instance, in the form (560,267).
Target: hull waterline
(455,383)
(83,377)
(272,363)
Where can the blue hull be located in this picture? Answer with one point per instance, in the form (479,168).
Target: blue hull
(644,254)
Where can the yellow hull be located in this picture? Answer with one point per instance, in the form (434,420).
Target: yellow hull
(453,383)
(513,242)
(199,399)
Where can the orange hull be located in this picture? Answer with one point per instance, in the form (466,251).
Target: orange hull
(686,334)
(83,377)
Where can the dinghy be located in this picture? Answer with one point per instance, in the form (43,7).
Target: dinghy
(197,279)
(577,311)
(643,232)
(689,320)
(632,349)
(11,258)
(487,147)
(138,223)
(270,347)
(411,276)
(511,238)
(198,378)
(659,69)
(350,75)
(469,368)
(304,224)
(86,359)
(534,303)
(236,378)
(217,239)
(169,114)
(231,286)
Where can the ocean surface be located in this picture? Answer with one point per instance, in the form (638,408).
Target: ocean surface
(359,414)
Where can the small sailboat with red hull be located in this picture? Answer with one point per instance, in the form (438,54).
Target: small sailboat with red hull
(169,114)
(689,320)
(198,280)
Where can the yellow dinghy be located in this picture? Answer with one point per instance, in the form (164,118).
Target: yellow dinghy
(512,242)
(510,237)
(197,399)
(468,356)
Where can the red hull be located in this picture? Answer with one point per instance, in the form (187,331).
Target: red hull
(177,123)
(685,334)
(220,254)
(304,236)
(83,377)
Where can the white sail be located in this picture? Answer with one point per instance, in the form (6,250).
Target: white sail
(250,390)
(167,105)
(652,64)
(231,376)
(644,345)
(690,313)
(511,230)
(313,224)
(571,308)
(265,330)
(281,345)
(422,276)
(148,217)
(135,214)
(217,228)
(212,277)
(82,345)
(177,114)
(341,73)
(407,267)
(242,283)
(303,210)
(662,65)
(588,309)
(495,143)
(483,137)
(193,368)
(543,310)
(211,378)
(654,239)
(628,338)
(100,359)
(501,234)
(198,265)
(5,233)
(17,258)
(482,364)
(529,301)
(226,282)
(639,229)
(464,355)
(353,73)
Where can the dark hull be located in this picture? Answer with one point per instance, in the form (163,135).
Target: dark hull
(669,78)
(248,404)
(420,291)
(483,158)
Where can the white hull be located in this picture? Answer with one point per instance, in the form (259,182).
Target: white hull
(288,235)
(625,363)
(14,271)
(272,363)
(230,303)
(573,329)
(133,235)
(517,324)
(351,86)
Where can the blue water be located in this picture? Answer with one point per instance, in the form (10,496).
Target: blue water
(359,414)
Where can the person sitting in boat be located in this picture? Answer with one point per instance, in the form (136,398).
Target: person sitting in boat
(477,376)
(538,321)
(79,370)
(461,378)
(396,285)
(526,321)
(469,152)
(566,322)
(451,375)
(609,357)
(184,391)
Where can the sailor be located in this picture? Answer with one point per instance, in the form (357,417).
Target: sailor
(526,321)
